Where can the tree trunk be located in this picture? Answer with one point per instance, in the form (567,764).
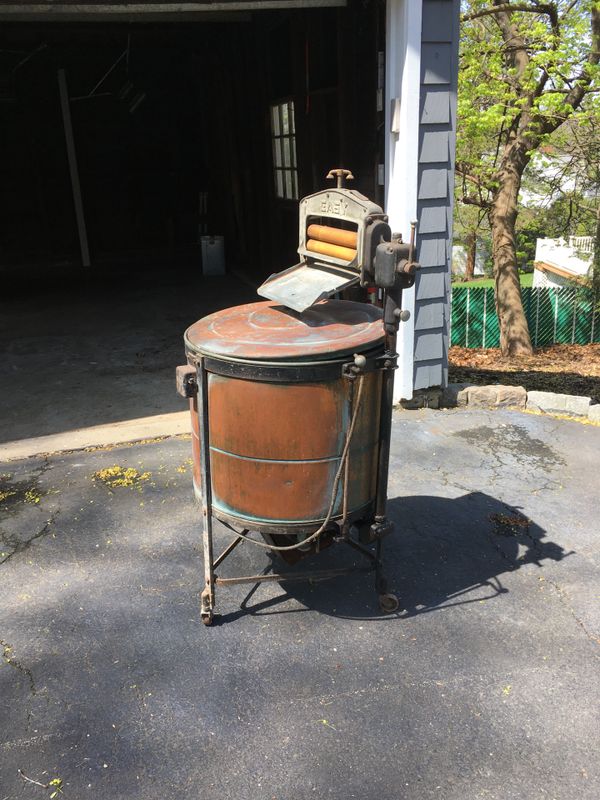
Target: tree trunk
(471,242)
(514,332)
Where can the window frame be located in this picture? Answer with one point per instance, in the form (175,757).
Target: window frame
(284,154)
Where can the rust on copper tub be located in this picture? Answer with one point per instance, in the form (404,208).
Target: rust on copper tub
(275,445)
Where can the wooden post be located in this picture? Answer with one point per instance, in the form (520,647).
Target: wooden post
(72,157)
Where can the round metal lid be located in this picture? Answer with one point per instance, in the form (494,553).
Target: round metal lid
(269,331)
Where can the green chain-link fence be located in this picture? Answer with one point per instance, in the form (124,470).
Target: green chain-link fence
(561,315)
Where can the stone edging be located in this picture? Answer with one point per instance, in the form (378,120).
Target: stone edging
(499,396)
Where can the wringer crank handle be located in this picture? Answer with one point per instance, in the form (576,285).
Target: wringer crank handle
(341,175)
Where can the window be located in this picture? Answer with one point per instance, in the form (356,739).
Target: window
(283,132)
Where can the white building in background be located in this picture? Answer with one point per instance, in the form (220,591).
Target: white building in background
(459,260)
(559,262)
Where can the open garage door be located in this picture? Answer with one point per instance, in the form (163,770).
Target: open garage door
(180,130)
(144,137)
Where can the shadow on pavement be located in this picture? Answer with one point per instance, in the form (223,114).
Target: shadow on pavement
(443,553)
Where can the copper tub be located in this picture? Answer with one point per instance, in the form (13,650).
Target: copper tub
(278,408)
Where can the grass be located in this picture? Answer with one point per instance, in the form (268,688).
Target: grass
(487,283)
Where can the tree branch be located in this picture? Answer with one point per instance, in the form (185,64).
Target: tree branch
(542,8)
(516,55)
(569,8)
(582,82)
(540,123)
(566,91)
(469,200)
(463,169)
(587,209)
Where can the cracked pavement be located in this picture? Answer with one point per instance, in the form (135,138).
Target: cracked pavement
(484,686)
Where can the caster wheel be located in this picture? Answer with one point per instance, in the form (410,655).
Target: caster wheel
(207,617)
(388,603)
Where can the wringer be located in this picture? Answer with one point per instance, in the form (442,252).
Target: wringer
(291,397)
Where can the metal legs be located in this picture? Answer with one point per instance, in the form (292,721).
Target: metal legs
(207,596)
(388,603)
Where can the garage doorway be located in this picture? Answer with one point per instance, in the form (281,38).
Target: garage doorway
(174,136)
(180,130)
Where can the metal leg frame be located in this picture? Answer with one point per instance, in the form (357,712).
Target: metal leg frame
(312,576)
(207,596)
(388,603)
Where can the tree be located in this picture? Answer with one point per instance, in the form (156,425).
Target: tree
(567,176)
(525,68)
(469,228)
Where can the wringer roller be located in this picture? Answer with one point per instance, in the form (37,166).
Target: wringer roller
(291,398)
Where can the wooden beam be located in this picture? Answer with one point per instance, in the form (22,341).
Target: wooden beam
(563,273)
(73,169)
(175,11)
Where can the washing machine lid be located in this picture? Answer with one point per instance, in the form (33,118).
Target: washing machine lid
(268,331)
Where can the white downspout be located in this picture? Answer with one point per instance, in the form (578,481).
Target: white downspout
(402,95)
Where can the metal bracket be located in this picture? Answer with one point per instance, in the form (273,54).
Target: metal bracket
(377,233)
(387,361)
(359,366)
(185,380)
(362,365)
(380,529)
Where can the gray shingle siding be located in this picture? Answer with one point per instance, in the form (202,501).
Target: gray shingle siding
(434,142)
(438,21)
(429,373)
(433,182)
(437,134)
(429,314)
(433,250)
(432,218)
(436,60)
(431,284)
(435,105)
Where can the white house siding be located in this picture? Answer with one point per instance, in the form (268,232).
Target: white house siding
(549,280)
(573,258)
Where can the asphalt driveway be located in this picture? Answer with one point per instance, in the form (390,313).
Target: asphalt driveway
(486,685)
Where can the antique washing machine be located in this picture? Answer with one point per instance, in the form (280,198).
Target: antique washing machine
(291,398)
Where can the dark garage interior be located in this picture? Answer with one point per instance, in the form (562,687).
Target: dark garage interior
(173,135)
(211,127)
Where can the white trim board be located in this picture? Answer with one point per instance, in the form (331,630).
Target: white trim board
(402,97)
